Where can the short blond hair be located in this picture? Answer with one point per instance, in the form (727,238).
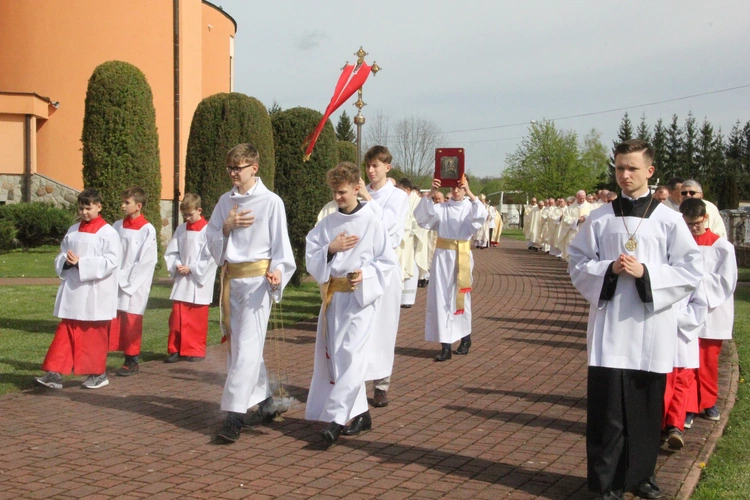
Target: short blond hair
(190,202)
(243,153)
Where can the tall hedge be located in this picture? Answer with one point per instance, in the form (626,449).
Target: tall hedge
(302,185)
(347,151)
(120,141)
(220,122)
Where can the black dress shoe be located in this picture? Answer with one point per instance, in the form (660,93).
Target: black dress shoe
(464,347)
(421,283)
(405,306)
(360,423)
(445,353)
(262,416)
(610,495)
(649,489)
(381,398)
(172,358)
(230,431)
(331,433)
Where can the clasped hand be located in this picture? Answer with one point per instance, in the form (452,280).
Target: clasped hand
(628,264)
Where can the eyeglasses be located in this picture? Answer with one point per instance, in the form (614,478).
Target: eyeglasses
(691,193)
(696,224)
(238,169)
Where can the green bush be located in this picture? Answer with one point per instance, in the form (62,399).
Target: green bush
(7,234)
(36,224)
(120,141)
(220,122)
(302,185)
(347,151)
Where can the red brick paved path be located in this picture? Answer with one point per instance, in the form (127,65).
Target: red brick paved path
(507,421)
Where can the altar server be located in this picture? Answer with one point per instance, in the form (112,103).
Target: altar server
(349,253)
(448,317)
(632,260)
(139,257)
(193,270)
(86,299)
(247,236)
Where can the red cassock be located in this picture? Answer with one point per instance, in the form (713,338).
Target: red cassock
(707,379)
(78,346)
(188,327)
(677,397)
(125,333)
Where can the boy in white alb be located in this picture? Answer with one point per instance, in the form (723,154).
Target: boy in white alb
(448,317)
(87,298)
(349,254)
(632,260)
(247,236)
(193,270)
(139,256)
(719,281)
(395,205)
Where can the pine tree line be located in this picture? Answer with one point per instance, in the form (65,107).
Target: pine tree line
(700,152)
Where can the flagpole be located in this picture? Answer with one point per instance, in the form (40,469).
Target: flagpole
(359,118)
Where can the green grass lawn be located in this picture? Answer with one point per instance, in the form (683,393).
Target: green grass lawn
(727,474)
(513,234)
(31,263)
(27,327)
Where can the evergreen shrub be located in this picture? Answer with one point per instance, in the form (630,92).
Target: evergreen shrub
(120,140)
(8,234)
(302,185)
(220,122)
(37,224)
(347,151)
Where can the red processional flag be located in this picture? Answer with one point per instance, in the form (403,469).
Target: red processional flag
(352,78)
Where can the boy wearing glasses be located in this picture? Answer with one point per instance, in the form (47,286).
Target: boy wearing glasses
(692,189)
(719,281)
(247,236)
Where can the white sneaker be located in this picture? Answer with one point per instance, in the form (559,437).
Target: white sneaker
(96,381)
(53,380)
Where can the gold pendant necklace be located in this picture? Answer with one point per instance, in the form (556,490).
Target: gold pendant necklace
(631,244)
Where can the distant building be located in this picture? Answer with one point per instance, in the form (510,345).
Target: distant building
(50,48)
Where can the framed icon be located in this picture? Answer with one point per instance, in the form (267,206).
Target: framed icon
(449,166)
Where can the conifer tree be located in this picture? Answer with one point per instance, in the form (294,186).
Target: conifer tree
(688,163)
(344,129)
(673,150)
(659,143)
(643,130)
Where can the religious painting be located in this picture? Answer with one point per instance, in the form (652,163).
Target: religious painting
(449,166)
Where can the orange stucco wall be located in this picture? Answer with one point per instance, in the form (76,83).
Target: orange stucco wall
(216,43)
(11,144)
(51,47)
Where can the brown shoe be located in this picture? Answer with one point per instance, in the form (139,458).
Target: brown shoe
(381,399)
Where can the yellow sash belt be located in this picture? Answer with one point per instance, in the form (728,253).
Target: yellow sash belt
(327,290)
(234,271)
(463,268)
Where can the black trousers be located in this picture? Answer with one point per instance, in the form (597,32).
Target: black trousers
(624,416)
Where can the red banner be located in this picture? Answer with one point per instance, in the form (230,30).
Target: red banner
(351,79)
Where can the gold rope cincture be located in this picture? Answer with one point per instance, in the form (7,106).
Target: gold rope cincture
(463,268)
(631,244)
(327,290)
(279,336)
(230,271)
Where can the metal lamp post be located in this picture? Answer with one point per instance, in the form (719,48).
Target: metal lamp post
(359,119)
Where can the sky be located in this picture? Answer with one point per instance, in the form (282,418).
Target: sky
(496,65)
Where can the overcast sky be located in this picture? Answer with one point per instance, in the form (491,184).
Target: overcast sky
(487,64)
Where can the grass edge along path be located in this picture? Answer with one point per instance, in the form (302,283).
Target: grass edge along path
(726,474)
(27,327)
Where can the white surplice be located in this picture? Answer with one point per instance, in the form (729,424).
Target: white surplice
(720,281)
(190,248)
(625,332)
(454,220)
(351,317)
(395,205)
(691,315)
(88,292)
(139,256)
(250,298)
